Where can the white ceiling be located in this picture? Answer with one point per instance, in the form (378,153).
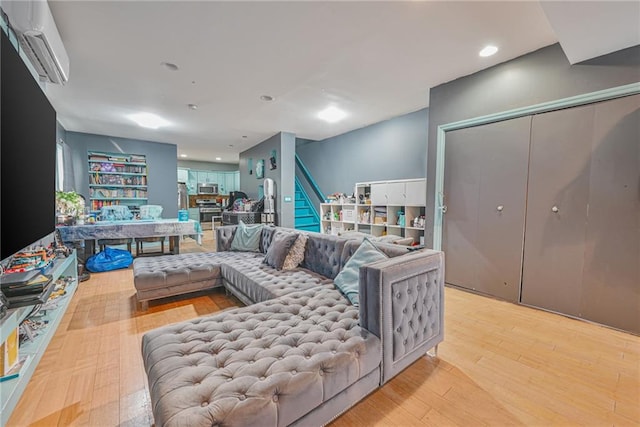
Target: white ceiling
(375,60)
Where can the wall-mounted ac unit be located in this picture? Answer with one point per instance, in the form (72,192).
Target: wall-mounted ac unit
(39,38)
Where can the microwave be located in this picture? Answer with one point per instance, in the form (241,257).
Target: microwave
(207,188)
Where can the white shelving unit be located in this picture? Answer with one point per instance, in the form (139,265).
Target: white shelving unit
(381,208)
(11,390)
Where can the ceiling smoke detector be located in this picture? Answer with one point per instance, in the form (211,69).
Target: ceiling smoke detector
(266,98)
(192,106)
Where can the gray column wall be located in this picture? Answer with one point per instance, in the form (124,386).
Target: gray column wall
(392,149)
(283,175)
(162,165)
(540,76)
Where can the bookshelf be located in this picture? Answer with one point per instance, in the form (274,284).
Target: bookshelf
(11,390)
(117,179)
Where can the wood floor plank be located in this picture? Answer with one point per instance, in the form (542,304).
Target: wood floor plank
(500,364)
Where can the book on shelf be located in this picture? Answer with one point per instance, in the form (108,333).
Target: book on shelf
(14,372)
(9,352)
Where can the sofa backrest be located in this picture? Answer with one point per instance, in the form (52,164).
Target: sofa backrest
(266,238)
(323,253)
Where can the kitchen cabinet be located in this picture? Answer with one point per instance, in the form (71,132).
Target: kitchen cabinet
(227,180)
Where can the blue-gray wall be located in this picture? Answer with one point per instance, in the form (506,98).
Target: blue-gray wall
(540,76)
(162,165)
(392,149)
(283,175)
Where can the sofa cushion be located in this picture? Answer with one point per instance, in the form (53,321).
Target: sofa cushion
(260,282)
(296,253)
(265,364)
(279,248)
(169,270)
(348,280)
(247,237)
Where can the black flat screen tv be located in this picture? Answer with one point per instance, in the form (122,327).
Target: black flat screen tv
(27,155)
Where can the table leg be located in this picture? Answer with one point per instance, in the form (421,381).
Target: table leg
(174,244)
(89,249)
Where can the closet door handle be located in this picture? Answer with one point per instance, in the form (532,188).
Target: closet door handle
(555,209)
(500,208)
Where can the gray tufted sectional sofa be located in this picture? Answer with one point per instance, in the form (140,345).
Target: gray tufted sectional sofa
(299,353)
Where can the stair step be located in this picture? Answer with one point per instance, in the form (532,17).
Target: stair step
(305,220)
(309,227)
(303,211)
(301,203)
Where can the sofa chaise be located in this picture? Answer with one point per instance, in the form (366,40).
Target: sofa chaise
(300,352)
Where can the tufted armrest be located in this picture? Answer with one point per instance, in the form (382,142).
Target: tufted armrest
(224,236)
(402,302)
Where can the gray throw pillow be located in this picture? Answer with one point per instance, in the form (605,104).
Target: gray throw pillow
(348,280)
(279,248)
(247,238)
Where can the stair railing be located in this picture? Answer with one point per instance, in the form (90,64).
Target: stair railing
(307,175)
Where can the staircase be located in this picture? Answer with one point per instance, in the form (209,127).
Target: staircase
(306,217)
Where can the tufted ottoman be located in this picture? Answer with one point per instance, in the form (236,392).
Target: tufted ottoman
(168,275)
(268,364)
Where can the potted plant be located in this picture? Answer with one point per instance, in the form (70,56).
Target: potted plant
(69,207)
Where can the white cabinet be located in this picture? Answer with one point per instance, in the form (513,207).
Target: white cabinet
(379,193)
(415,193)
(380,208)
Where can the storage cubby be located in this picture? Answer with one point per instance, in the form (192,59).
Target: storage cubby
(383,207)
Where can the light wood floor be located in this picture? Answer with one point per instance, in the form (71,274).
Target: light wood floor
(500,364)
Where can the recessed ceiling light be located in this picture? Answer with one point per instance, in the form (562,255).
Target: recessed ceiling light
(183,155)
(169,66)
(488,51)
(192,106)
(148,120)
(218,158)
(266,98)
(332,114)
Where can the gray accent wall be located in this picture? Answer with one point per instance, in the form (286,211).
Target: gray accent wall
(540,76)
(392,149)
(162,165)
(283,175)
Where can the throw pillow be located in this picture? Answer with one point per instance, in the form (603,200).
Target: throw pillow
(247,238)
(279,248)
(348,279)
(296,253)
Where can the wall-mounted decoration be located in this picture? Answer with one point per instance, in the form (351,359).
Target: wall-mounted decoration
(272,160)
(260,169)
(250,165)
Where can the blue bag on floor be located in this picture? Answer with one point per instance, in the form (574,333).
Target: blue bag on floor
(109,259)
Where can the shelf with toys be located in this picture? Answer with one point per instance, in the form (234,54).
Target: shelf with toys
(29,329)
(379,208)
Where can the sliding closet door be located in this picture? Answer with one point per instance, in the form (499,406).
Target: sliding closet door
(559,169)
(611,284)
(485,191)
